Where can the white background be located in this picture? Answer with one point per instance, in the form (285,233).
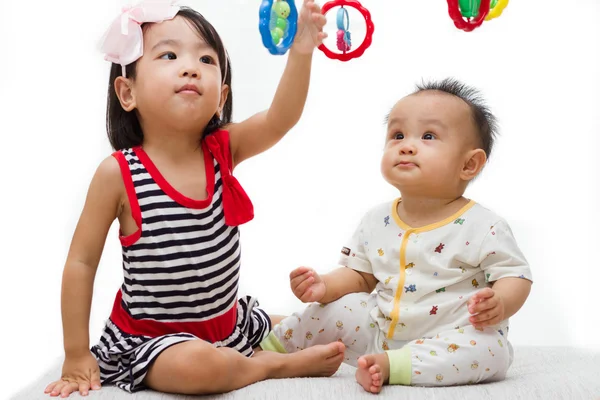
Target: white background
(538,65)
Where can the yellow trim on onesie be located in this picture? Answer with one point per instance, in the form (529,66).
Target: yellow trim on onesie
(409,231)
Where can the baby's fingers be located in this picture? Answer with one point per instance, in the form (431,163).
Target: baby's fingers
(308,296)
(302,287)
(298,271)
(297,281)
(483,306)
(482,295)
(484,316)
(486,323)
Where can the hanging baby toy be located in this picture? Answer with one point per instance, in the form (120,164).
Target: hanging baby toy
(343,42)
(496,8)
(470,14)
(278,25)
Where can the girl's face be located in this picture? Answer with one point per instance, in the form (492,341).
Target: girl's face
(178,83)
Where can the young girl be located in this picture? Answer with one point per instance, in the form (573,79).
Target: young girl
(177,325)
(447,272)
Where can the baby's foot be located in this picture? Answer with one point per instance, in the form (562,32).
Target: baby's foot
(316,361)
(373,372)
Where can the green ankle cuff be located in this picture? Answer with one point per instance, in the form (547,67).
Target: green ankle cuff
(271,343)
(400,366)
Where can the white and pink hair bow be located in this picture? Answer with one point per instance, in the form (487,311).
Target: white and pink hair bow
(123,42)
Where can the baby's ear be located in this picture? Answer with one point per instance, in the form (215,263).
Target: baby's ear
(125,93)
(474,162)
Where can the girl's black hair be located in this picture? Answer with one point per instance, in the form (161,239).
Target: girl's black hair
(123,128)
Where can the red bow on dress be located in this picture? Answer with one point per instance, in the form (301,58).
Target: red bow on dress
(237,206)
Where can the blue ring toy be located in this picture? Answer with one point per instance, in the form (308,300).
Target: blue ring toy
(267,23)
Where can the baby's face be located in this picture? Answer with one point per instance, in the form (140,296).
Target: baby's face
(429,139)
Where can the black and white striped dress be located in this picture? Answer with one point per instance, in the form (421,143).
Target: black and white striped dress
(181,270)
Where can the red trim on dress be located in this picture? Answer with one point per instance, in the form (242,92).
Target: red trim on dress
(170,190)
(136,213)
(213,330)
(237,209)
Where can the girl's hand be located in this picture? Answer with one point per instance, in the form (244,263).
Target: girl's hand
(78,374)
(307,285)
(486,308)
(310,33)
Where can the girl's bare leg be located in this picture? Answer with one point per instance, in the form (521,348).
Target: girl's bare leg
(196,367)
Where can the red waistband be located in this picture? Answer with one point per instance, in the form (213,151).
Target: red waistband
(213,330)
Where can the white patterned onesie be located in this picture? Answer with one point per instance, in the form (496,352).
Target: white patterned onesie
(418,312)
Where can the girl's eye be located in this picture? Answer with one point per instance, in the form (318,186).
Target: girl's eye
(399,136)
(206,60)
(169,56)
(428,136)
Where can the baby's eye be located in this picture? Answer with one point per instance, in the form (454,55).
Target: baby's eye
(399,136)
(428,136)
(169,56)
(207,60)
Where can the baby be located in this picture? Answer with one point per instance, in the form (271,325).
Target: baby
(447,272)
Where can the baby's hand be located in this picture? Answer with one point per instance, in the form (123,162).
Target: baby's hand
(486,308)
(307,285)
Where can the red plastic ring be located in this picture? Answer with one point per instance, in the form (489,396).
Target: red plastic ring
(468,26)
(368,38)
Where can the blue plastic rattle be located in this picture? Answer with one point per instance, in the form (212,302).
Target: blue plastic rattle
(278,25)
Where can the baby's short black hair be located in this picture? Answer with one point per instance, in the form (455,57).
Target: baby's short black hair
(485,122)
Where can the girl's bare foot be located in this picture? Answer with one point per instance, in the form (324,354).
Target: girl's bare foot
(322,360)
(373,372)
